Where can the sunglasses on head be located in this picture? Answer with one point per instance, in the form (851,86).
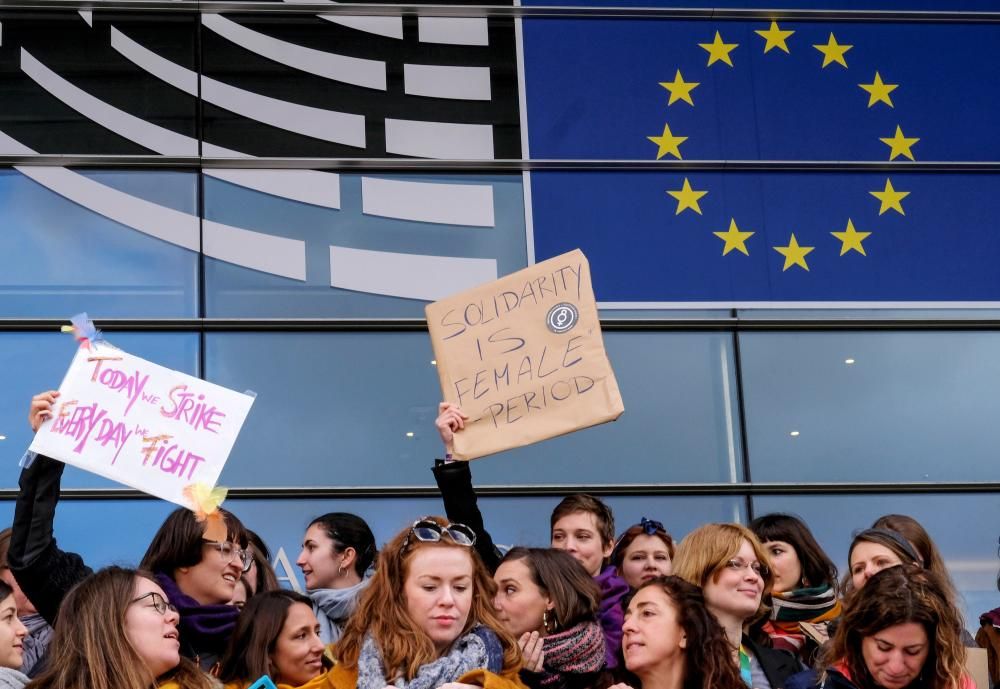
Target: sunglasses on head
(429,531)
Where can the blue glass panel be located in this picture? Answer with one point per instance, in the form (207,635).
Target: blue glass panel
(908,407)
(337,408)
(34,362)
(58,258)
(962,526)
(241,286)
(281,523)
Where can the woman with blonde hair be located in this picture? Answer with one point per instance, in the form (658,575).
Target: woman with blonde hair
(731,566)
(116,630)
(899,631)
(427,618)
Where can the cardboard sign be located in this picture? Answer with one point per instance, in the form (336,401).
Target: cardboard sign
(141,424)
(524,357)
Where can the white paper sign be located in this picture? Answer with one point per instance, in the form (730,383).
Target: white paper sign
(141,424)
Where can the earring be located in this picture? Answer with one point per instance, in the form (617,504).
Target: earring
(550,625)
(340,571)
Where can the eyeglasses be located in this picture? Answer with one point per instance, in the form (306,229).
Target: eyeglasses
(738,565)
(228,551)
(429,531)
(651,526)
(160,604)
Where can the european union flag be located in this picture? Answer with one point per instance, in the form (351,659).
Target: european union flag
(768,91)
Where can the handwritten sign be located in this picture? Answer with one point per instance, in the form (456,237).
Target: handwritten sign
(141,424)
(524,357)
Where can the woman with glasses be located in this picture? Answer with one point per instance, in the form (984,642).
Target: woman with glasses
(644,551)
(427,619)
(730,565)
(278,636)
(899,631)
(196,563)
(804,596)
(549,603)
(672,641)
(116,630)
(337,551)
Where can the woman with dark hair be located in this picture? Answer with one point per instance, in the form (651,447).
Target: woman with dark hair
(898,631)
(427,619)
(260,576)
(337,552)
(549,603)
(730,565)
(12,635)
(277,635)
(672,641)
(804,595)
(117,630)
(644,551)
(873,550)
(39,631)
(197,563)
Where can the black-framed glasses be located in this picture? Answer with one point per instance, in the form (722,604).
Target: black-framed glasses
(651,526)
(229,550)
(158,602)
(429,531)
(738,564)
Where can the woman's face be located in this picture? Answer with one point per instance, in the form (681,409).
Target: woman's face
(868,559)
(240,594)
(211,581)
(11,634)
(298,650)
(738,589)
(153,634)
(646,557)
(318,560)
(578,535)
(896,655)
(785,565)
(519,602)
(438,592)
(652,635)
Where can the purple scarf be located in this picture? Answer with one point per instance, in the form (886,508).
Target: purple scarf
(202,627)
(610,613)
(991,617)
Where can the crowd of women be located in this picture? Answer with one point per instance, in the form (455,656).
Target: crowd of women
(439,605)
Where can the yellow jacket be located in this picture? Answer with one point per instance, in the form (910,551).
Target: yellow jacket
(342,678)
(321,682)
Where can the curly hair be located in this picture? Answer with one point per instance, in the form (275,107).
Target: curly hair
(899,595)
(382,611)
(708,657)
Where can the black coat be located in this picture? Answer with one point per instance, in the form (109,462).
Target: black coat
(454,480)
(777,665)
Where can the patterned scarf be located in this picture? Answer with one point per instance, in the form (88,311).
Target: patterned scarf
(577,650)
(479,649)
(813,605)
(202,627)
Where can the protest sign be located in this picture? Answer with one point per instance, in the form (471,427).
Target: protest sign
(141,424)
(524,357)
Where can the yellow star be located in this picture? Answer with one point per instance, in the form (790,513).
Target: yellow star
(833,51)
(687,198)
(851,239)
(719,51)
(890,198)
(879,91)
(794,254)
(775,37)
(899,144)
(679,89)
(668,143)
(734,239)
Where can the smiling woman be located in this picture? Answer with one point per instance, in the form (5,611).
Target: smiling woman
(899,631)
(277,635)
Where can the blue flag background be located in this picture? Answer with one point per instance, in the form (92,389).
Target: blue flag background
(594,91)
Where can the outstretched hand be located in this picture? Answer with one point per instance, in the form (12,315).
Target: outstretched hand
(41,408)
